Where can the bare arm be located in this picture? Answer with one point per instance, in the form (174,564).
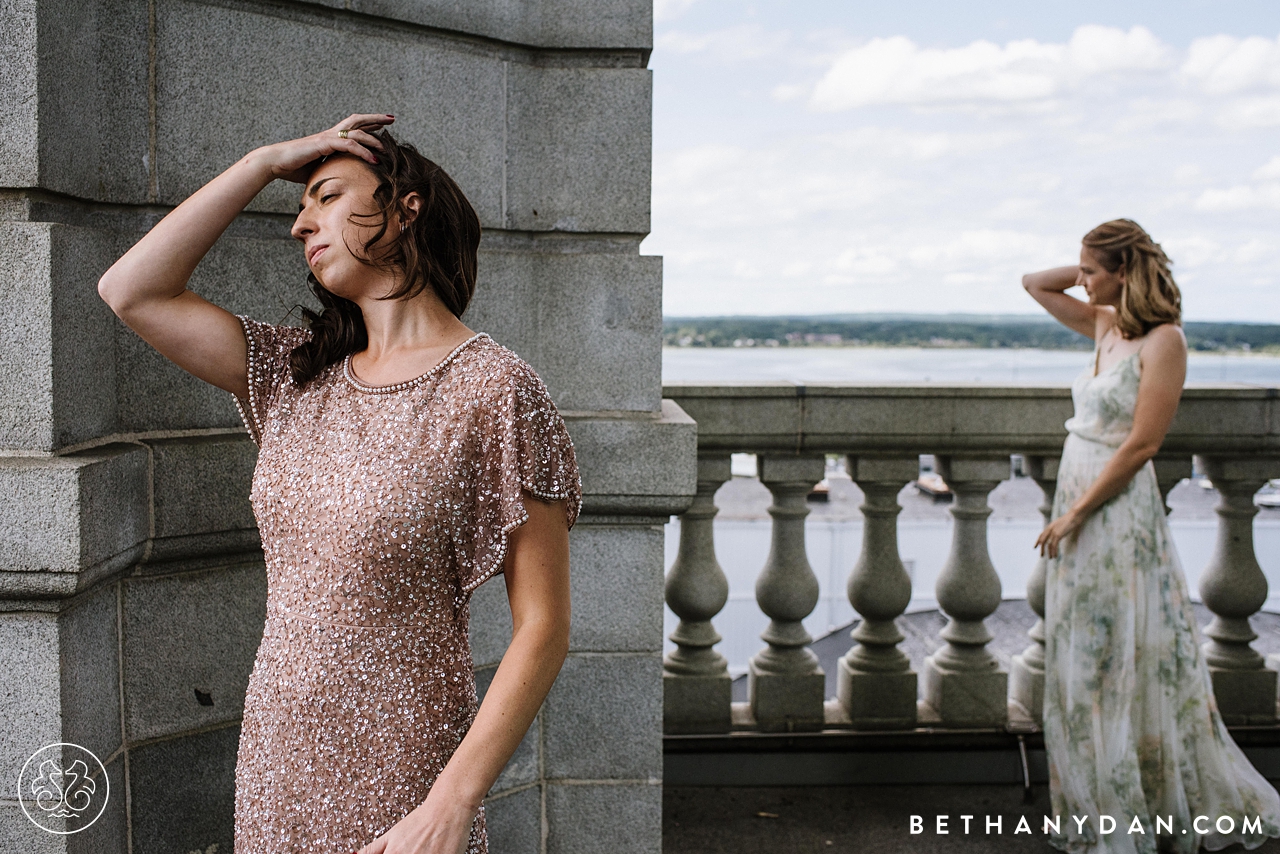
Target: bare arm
(1048,287)
(147,287)
(537,577)
(1164,369)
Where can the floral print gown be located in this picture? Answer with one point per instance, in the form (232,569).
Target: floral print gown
(1131,726)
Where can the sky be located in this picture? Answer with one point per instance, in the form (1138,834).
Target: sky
(814,157)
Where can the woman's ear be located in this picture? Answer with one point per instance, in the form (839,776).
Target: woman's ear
(413,206)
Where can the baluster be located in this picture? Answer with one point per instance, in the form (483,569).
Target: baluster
(1026,676)
(695,678)
(876,684)
(785,683)
(1234,588)
(1170,471)
(963,682)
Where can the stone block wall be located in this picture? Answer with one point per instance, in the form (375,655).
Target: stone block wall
(132,592)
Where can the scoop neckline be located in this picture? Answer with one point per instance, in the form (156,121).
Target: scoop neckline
(401,386)
(1112,366)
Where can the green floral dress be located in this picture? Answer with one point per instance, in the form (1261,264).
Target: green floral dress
(1131,727)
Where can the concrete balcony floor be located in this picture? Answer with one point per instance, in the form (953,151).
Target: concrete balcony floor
(855,791)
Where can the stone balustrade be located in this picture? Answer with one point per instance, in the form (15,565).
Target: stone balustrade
(1233,431)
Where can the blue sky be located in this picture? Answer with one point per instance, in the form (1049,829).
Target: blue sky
(816,157)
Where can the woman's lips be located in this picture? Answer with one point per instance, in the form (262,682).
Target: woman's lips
(315,253)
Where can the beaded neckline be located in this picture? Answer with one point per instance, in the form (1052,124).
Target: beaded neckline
(390,389)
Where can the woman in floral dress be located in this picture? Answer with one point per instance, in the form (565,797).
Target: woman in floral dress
(1131,727)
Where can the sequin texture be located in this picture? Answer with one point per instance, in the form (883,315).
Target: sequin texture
(381,509)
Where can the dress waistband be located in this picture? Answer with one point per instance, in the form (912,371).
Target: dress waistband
(1071,434)
(281,614)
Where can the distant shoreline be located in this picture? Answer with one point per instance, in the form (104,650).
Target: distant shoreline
(936,332)
(1241,352)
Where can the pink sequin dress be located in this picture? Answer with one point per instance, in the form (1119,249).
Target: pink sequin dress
(381,509)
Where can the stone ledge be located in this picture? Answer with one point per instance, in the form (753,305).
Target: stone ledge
(637,466)
(932,418)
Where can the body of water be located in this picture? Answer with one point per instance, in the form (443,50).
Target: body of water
(916,364)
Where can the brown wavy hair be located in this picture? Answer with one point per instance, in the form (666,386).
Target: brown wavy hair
(1149,297)
(437,250)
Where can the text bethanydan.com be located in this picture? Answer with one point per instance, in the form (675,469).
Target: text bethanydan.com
(1101,824)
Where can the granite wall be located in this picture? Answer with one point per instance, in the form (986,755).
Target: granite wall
(132,588)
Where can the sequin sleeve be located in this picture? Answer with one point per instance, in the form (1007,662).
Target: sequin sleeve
(524,447)
(268,367)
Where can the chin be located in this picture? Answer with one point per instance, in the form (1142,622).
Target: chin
(335,285)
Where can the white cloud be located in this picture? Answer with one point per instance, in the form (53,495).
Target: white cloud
(865,261)
(1250,112)
(879,143)
(979,247)
(787,92)
(1225,65)
(1241,197)
(897,71)
(1256,250)
(1269,171)
(1264,193)
(1103,50)
(1145,111)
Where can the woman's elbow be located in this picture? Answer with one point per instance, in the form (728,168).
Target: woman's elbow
(1144,451)
(550,634)
(559,639)
(1026,282)
(109,291)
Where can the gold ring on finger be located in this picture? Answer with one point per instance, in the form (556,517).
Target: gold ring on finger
(342,134)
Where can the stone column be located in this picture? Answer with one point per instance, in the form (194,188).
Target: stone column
(876,684)
(785,683)
(1234,588)
(1026,675)
(695,678)
(963,682)
(1170,471)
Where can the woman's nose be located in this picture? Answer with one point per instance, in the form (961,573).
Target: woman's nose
(301,228)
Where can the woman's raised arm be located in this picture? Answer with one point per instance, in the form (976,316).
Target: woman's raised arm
(1048,287)
(147,287)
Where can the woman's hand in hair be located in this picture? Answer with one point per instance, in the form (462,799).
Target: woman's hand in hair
(1049,288)
(147,286)
(290,160)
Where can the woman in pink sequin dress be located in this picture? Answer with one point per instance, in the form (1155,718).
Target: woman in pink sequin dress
(403,460)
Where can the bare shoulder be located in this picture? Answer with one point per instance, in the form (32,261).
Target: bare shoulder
(1164,354)
(1166,339)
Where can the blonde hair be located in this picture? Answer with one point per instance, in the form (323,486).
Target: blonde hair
(1149,297)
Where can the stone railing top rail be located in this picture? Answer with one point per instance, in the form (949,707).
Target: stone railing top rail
(936,418)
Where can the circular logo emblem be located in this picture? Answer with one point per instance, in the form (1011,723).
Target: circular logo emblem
(63,788)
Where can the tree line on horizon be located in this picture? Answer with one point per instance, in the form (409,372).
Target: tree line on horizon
(940,332)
